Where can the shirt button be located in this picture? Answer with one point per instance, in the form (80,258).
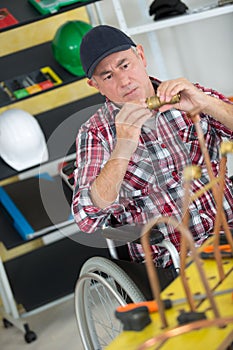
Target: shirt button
(163,145)
(175,175)
(167,208)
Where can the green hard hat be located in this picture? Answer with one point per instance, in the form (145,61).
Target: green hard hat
(66,45)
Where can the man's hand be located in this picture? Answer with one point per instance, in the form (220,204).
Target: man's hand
(128,123)
(194,101)
(191,97)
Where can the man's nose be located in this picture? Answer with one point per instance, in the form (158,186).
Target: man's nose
(124,79)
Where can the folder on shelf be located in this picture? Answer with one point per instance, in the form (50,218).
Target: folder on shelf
(6,18)
(46,7)
(37,205)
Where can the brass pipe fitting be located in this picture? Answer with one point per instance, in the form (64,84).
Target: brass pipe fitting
(154,102)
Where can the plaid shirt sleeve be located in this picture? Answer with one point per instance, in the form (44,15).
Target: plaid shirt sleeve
(93,151)
(224,131)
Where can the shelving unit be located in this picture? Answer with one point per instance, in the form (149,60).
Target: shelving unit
(144,26)
(41,272)
(174,45)
(13,65)
(25,13)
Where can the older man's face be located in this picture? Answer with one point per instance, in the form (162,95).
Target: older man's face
(122,77)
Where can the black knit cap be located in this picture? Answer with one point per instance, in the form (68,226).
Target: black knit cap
(100,42)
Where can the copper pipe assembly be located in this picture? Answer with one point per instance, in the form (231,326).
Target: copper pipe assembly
(217,189)
(201,139)
(160,339)
(217,185)
(152,272)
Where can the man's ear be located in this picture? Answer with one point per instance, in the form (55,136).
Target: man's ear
(141,54)
(92,83)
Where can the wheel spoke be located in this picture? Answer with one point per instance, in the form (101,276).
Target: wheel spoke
(101,288)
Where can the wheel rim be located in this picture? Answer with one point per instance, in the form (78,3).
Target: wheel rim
(95,312)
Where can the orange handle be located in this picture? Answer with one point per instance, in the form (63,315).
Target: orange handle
(151,305)
(210,248)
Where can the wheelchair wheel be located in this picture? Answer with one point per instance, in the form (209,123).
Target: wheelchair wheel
(100,289)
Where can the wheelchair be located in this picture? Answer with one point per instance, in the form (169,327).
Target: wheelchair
(104,284)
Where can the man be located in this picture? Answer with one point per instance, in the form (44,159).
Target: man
(130,159)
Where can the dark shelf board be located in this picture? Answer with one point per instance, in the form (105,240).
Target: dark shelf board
(25,13)
(48,273)
(13,238)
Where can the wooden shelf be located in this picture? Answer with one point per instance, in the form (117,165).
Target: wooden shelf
(146,24)
(25,13)
(179,20)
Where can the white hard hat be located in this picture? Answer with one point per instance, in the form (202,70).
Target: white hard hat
(22,142)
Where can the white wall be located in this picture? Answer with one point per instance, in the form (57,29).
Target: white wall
(230,164)
(201,51)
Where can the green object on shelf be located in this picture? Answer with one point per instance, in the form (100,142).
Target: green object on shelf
(46,7)
(66,46)
(20,93)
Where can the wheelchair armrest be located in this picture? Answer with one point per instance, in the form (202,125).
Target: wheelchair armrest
(126,233)
(132,233)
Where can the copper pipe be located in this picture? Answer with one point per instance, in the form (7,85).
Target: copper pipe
(151,268)
(152,273)
(220,217)
(190,172)
(218,220)
(225,148)
(162,338)
(204,189)
(215,189)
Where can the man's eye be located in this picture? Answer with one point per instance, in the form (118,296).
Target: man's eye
(125,66)
(108,77)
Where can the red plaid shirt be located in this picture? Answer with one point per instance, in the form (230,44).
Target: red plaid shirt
(152,185)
